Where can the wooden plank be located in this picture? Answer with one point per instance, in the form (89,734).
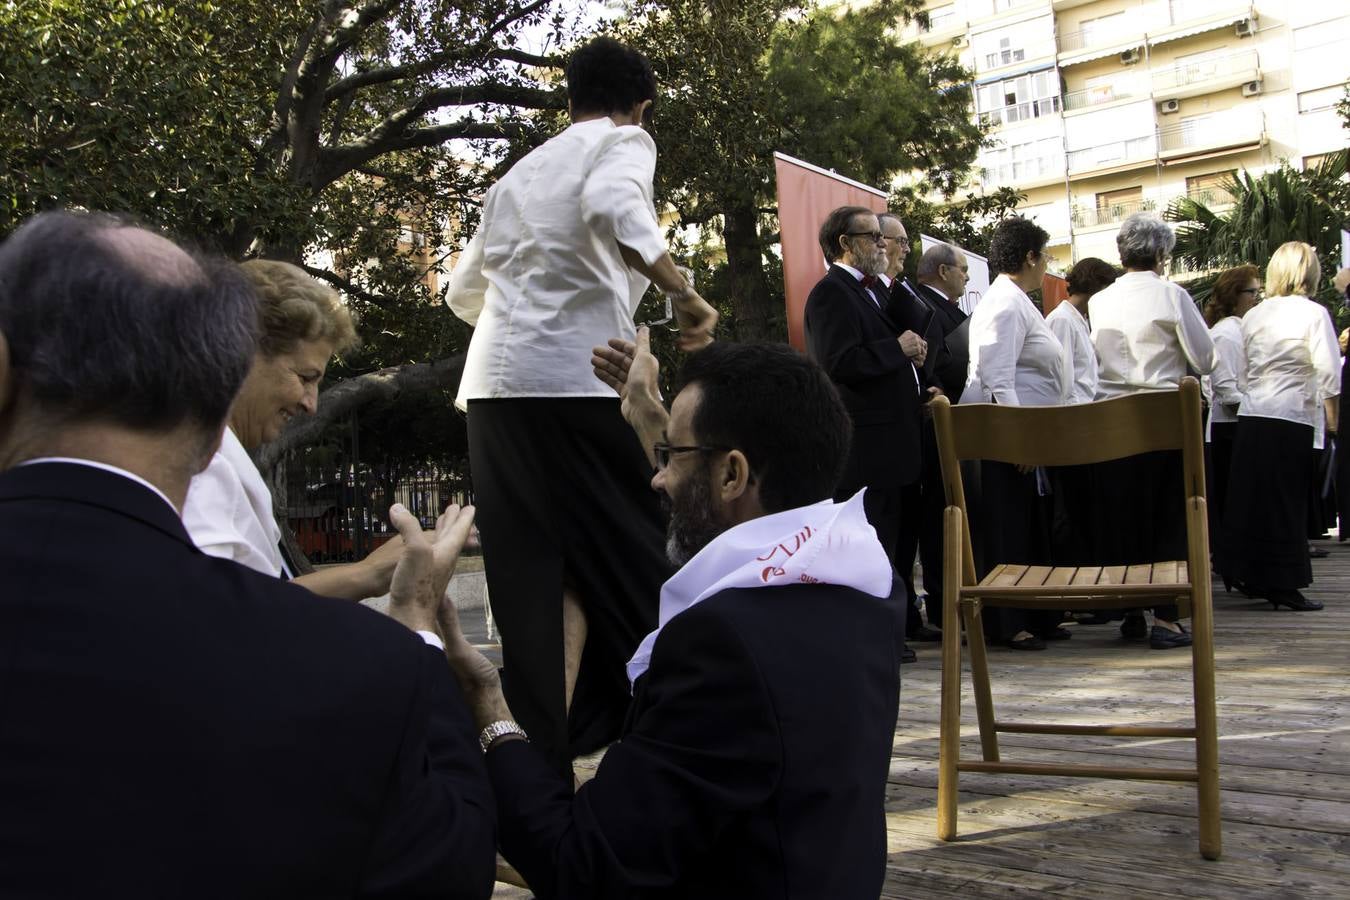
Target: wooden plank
(1004,576)
(1061,576)
(1034,576)
(1165,573)
(1087,575)
(1139,574)
(1112,575)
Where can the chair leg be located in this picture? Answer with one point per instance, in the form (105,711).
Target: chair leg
(979,680)
(1202,675)
(949,723)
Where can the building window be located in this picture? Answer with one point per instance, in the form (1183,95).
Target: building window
(1098,30)
(939,17)
(1006,55)
(1211,189)
(1321,98)
(1019,99)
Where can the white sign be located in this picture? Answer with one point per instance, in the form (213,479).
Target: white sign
(979,273)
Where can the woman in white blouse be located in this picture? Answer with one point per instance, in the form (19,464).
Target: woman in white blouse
(1235,292)
(1292,368)
(228,512)
(1073,493)
(1014,360)
(1149,334)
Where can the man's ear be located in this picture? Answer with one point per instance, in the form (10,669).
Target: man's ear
(734,477)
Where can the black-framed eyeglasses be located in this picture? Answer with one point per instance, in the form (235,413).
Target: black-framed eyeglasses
(902,241)
(876,236)
(665,451)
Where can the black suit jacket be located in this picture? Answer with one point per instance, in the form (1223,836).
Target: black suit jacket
(856,343)
(953,360)
(175,725)
(754,766)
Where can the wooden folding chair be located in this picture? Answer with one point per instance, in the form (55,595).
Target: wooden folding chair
(1067,436)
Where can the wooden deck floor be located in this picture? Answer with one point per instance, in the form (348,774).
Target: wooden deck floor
(1284,724)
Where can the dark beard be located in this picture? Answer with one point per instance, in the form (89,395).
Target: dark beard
(692,521)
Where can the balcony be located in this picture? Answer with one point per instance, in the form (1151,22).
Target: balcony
(1125,88)
(1215,198)
(1012,56)
(1232,131)
(1155,23)
(1115,155)
(1111,214)
(1206,76)
(1046,169)
(1020,112)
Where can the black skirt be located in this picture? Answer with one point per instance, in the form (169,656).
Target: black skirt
(1218,463)
(1266,513)
(1140,511)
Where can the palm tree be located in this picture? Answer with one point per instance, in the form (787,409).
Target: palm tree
(1281,205)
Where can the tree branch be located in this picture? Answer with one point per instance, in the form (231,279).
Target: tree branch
(348,287)
(338,161)
(354,393)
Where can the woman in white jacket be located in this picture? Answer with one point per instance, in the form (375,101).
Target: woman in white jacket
(1292,368)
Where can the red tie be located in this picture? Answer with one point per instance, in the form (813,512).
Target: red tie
(869,280)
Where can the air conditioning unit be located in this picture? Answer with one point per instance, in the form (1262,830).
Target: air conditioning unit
(1251,88)
(1244,28)
(1130,56)
(959,41)
(1167,107)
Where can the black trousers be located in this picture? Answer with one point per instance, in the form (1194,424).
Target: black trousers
(1265,521)
(563,492)
(1009,524)
(922,508)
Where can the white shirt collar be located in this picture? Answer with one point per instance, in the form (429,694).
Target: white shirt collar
(857,275)
(105,467)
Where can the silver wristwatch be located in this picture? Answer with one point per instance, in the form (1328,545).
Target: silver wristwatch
(498,729)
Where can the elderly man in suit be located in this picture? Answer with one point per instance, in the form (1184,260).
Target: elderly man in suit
(758,740)
(874,362)
(176,725)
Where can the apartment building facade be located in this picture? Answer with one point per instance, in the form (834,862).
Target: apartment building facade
(1102,108)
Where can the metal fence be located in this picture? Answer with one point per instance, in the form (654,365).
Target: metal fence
(338,506)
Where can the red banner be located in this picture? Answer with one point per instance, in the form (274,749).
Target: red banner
(806,194)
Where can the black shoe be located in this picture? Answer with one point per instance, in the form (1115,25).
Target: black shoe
(1318,552)
(1134,628)
(1026,643)
(1164,638)
(926,634)
(907,655)
(1055,634)
(1293,600)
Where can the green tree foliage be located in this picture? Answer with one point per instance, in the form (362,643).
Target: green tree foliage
(834,86)
(1281,205)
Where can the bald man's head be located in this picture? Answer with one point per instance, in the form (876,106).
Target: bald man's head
(110,322)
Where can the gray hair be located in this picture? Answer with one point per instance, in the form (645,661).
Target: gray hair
(1144,241)
(934,258)
(96,335)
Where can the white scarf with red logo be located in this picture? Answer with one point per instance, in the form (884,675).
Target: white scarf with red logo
(824,543)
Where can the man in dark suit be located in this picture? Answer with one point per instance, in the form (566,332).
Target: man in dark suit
(873,361)
(942,276)
(176,725)
(756,749)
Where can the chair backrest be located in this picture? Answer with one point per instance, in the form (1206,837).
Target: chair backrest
(1069,436)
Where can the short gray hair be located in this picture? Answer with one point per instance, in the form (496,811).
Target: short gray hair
(1144,241)
(934,258)
(93,336)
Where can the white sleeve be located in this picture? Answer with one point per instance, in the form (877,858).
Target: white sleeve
(215,500)
(997,354)
(1196,342)
(1230,361)
(467,284)
(1326,357)
(616,198)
